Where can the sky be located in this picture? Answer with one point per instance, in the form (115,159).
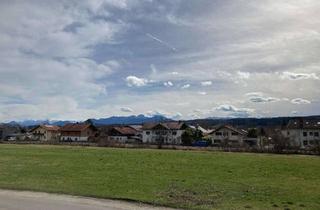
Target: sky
(184,59)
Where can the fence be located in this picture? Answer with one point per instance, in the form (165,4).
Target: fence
(168,147)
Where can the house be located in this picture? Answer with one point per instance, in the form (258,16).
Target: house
(227,135)
(124,134)
(163,133)
(302,133)
(77,132)
(45,133)
(204,131)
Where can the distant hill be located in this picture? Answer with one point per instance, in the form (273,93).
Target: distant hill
(248,122)
(117,120)
(140,119)
(134,119)
(30,123)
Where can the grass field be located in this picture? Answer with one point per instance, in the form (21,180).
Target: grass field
(191,180)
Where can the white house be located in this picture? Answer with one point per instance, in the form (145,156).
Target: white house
(163,133)
(45,132)
(226,134)
(302,133)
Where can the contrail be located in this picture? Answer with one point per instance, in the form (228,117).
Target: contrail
(161,42)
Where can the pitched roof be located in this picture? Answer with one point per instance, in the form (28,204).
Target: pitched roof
(75,127)
(167,125)
(198,127)
(241,132)
(47,127)
(303,124)
(125,130)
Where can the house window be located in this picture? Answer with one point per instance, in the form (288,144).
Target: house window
(225,134)
(288,133)
(157,132)
(316,133)
(311,142)
(148,132)
(216,141)
(305,143)
(218,134)
(234,134)
(174,133)
(305,133)
(310,133)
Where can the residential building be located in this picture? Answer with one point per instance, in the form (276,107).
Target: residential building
(163,133)
(204,131)
(45,133)
(302,133)
(227,135)
(124,134)
(78,132)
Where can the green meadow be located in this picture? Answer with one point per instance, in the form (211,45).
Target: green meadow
(181,179)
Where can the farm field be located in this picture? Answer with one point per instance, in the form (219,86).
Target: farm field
(181,179)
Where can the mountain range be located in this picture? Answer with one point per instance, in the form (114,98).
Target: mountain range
(140,119)
(115,120)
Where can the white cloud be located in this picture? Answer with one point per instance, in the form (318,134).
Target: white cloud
(299,76)
(300,101)
(168,84)
(206,83)
(243,75)
(133,81)
(234,111)
(126,109)
(202,93)
(258,97)
(186,86)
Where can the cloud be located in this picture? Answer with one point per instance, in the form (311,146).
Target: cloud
(168,84)
(300,101)
(206,83)
(186,86)
(133,81)
(174,73)
(202,93)
(126,109)
(257,97)
(234,111)
(85,55)
(177,116)
(243,75)
(299,76)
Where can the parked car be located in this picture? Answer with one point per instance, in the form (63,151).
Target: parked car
(200,144)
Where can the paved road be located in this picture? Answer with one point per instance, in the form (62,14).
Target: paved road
(23,200)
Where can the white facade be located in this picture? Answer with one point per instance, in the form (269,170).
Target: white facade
(120,139)
(45,133)
(164,136)
(74,138)
(225,134)
(302,138)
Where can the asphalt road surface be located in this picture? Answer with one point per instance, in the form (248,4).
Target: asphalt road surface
(24,200)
